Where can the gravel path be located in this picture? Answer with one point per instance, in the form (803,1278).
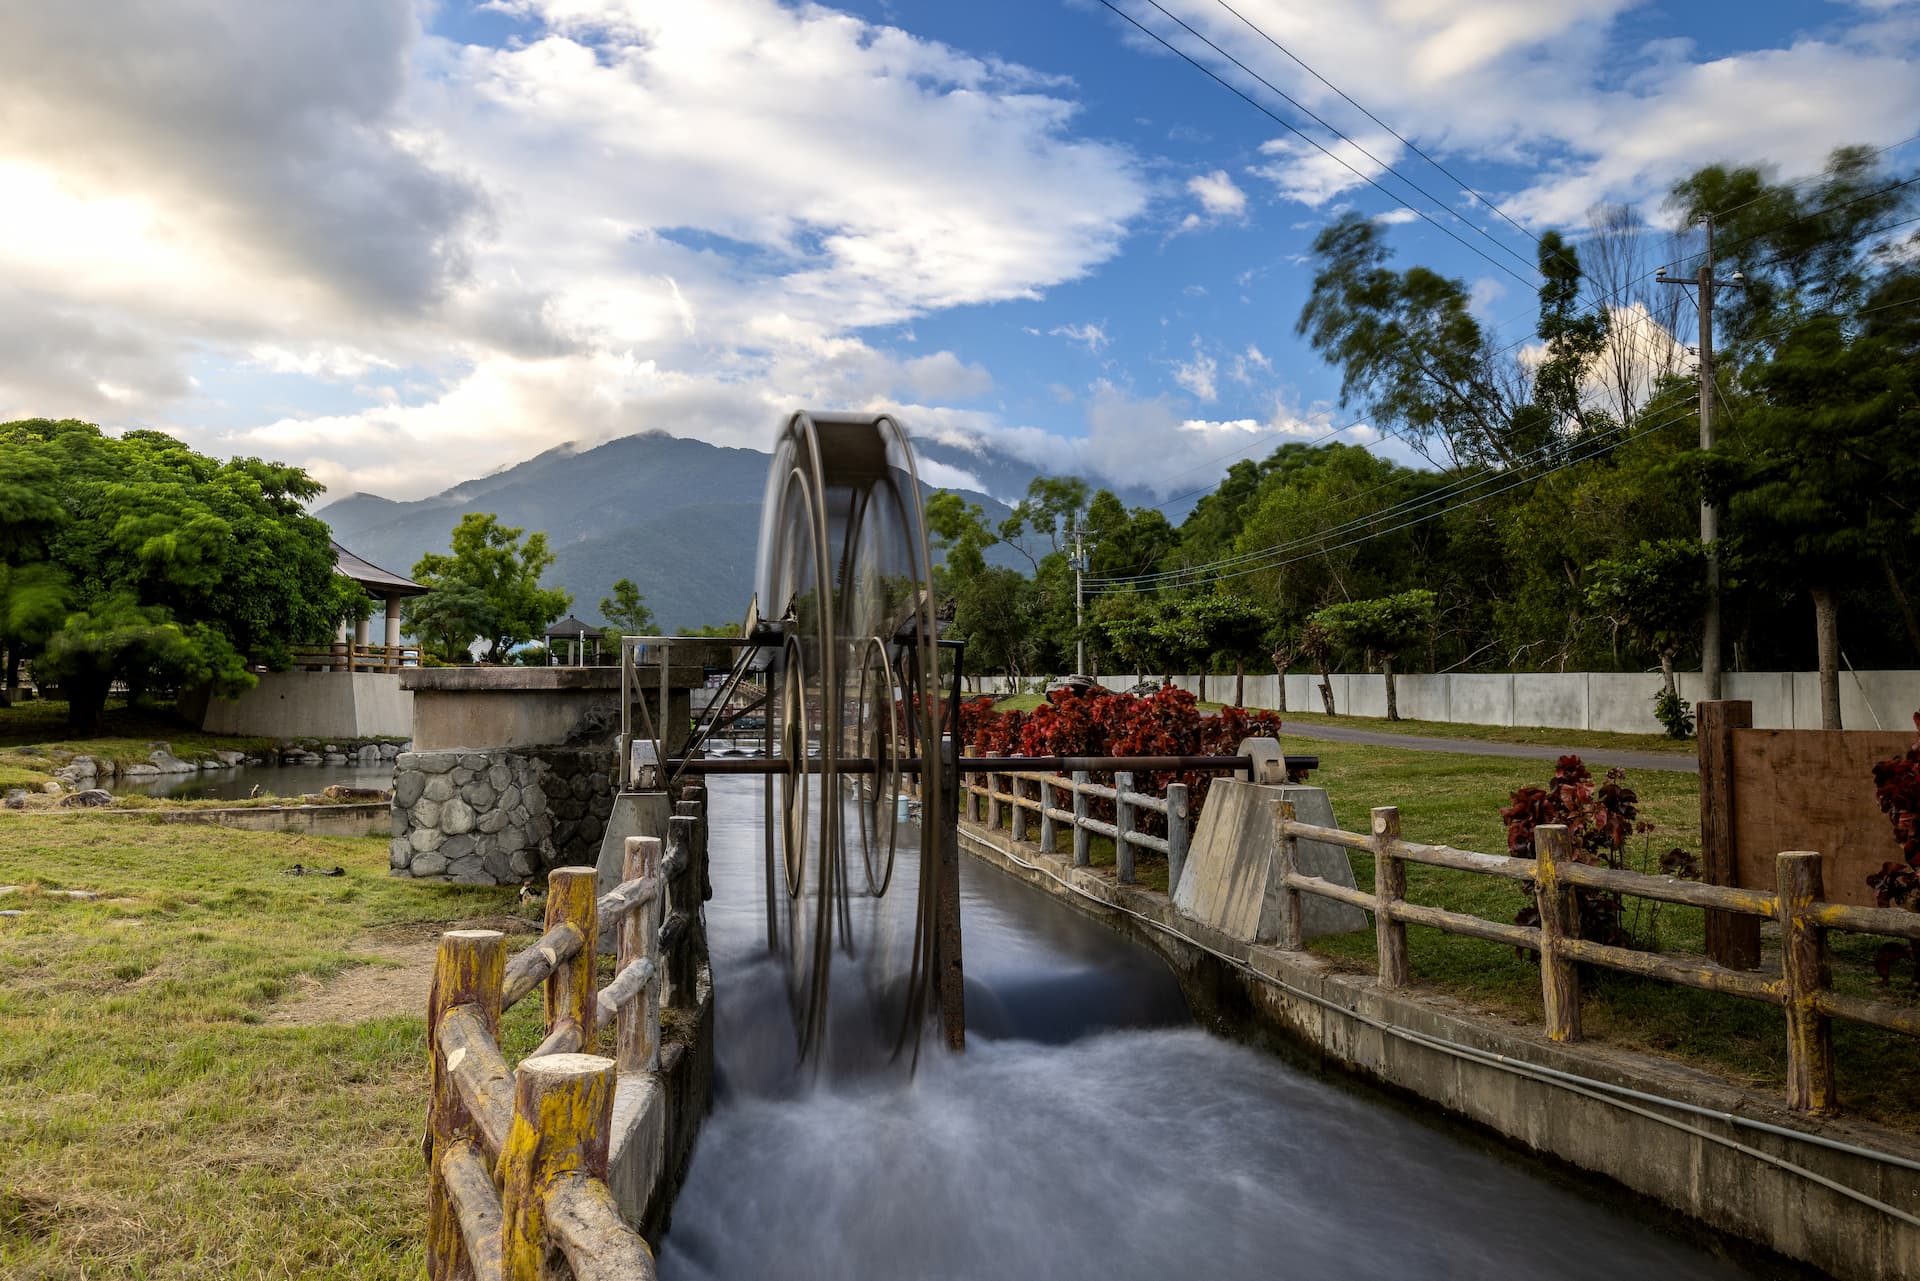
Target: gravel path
(1593,756)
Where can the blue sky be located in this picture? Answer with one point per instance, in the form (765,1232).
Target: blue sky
(405,243)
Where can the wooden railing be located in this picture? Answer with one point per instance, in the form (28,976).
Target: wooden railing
(1802,988)
(518,1157)
(346,656)
(1033,793)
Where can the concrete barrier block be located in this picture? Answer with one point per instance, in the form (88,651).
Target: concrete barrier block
(637,1160)
(1554,699)
(1482,700)
(1228,883)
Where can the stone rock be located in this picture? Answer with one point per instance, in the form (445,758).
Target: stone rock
(474,761)
(498,866)
(514,838)
(499,776)
(456,848)
(471,872)
(52,787)
(535,798)
(439,787)
(478,795)
(408,787)
(16,799)
(399,821)
(88,799)
(426,813)
(428,864)
(519,864)
(508,798)
(334,758)
(399,852)
(84,767)
(230,759)
(166,762)
(494,820)
(429,762)
(368,755)
(462,776)
(425,839)
(140,769)
(456,816)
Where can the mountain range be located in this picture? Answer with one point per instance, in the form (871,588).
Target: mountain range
(679,517)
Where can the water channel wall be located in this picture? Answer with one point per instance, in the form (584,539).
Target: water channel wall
(1617,702)
(1356,1026)
(316,705)
(497,816)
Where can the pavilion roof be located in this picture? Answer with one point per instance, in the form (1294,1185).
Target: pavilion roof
(571,628)
(377,581)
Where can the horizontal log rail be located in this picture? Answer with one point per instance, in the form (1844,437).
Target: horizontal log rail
(351,656)
(517,1157)
(1031,781)
(1801,989)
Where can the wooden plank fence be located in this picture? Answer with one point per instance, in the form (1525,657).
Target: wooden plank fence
(1802,988)
(348,656)
(518,1157)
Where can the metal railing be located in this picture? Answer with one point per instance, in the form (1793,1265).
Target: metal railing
(1802,988)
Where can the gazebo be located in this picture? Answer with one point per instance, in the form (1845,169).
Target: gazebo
(576,634)
(385,586)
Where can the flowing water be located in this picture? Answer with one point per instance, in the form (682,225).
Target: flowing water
(1089,1131)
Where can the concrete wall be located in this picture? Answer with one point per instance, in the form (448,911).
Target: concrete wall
(370,819)
(1621,702)
(316,705)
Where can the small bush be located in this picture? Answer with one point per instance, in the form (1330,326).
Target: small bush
(1674,713)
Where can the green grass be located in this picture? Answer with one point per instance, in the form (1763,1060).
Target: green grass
(155,1126)
(1454,799)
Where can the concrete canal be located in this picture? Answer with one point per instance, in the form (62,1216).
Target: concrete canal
(1090,1131)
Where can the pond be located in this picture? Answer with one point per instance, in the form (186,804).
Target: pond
(242,781)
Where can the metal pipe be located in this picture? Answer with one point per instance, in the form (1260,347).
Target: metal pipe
(994,764)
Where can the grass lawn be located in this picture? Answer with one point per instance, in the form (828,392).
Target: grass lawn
(156,1124)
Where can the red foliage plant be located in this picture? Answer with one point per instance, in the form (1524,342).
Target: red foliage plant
(1896,785)
(1097,722)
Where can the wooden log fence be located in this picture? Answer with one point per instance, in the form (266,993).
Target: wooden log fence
(1802,988)
(350,656)
(1026,793)
(517,1157)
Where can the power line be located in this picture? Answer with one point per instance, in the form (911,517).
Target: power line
(1878,151)
(1194,578)
(1284,123)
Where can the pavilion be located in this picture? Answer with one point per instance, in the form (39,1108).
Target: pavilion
(576,634)
(385,586)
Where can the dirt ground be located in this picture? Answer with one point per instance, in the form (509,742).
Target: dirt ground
(393,976)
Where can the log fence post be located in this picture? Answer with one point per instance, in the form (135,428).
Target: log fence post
(993,801)
(1082,855)
(1019,810)
(1047,841)
(573,898)
(1733,939)
(1123,827)
(469,971)
(1177,833)
(562,1124)
(1286,850)
(1389,887)
(1559,908)
(1805,973)
(639,1022)
(683,900)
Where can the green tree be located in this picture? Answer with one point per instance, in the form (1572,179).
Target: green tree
(490,583)
(135,559)
(626,610)
(1657,594)
(1220,627)
(1385,628)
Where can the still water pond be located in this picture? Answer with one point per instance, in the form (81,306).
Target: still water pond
(243,781)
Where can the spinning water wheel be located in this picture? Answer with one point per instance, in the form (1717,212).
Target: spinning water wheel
(845,582)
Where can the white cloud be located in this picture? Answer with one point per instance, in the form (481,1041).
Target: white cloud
(1091,336)
(1396,217)
(1197,375)
(1247,364)
(1311,176)
(1218,195)
(340,197)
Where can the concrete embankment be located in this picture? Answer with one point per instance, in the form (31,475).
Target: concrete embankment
(1731,1159)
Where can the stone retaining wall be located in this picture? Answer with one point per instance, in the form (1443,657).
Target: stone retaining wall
(498,817)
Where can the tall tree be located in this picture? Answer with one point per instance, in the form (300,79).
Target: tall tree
(626,610)
(1384,628)
(490,582)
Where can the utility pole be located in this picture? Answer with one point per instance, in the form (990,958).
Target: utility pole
(1079,602)
(1709,512)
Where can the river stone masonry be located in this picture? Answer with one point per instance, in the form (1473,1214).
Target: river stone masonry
(498,817)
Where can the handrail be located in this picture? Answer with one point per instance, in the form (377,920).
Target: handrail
(1802,988)
(518,1157)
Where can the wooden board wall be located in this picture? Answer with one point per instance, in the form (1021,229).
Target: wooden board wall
(1810,789)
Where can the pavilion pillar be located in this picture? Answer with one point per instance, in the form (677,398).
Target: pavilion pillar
(393,625)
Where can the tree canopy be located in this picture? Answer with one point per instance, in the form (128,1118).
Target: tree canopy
(488,589)
(135,559)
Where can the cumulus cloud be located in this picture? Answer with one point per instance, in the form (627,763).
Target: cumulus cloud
(1218,195)
(1197,376)
(637,216)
